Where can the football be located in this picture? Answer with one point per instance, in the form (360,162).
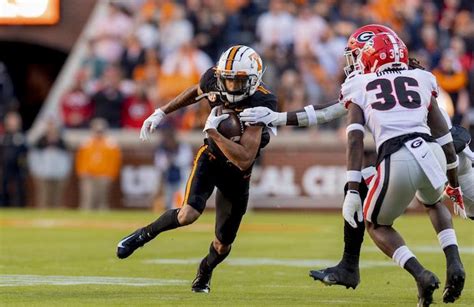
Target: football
(231,128)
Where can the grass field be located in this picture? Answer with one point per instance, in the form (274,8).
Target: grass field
(67,258)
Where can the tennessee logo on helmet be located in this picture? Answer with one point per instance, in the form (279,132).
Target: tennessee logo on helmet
(254,56)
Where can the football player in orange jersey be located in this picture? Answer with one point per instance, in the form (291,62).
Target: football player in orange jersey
(234,83)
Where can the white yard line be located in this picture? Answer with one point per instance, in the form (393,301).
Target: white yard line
(35,280)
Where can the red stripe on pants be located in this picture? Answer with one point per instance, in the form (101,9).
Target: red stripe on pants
(372,191)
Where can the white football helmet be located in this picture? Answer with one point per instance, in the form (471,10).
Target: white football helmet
(243,66)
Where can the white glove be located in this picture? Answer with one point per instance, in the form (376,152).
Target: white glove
(213,120)
(150,124)
(351,205)
(262,115)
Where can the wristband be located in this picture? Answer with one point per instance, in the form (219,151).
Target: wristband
(445,139)
(354,176)
(354,127)
(452,165)
(311,113)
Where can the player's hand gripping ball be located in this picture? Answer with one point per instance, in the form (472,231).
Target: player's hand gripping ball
(231,127)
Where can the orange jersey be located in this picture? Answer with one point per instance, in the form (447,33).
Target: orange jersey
(99,157)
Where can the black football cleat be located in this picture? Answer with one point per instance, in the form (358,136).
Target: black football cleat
(427,283)
(130,243)
(337,275)
(202,282)
(454,282)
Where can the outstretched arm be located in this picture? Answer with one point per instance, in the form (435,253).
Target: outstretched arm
(185,98)
(309,116)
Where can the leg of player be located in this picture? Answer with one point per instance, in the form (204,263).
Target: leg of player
(230,208)
(217,253)
(393,245)
(198,190)
(171,219)
(455,275)
(346,272)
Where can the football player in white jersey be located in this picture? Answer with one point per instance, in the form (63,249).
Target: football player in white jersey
(346,272)
(396,105)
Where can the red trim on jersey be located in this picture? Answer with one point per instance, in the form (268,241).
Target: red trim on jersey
(346,104)
(372,191)
(369,179)
(434,94)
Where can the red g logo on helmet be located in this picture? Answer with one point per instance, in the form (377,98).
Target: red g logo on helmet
(365,36)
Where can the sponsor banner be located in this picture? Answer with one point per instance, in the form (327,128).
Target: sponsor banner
(282,178)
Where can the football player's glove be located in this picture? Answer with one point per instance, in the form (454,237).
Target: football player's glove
(262,115)
(213,120)
(455,194)
(352,204)
(151,123)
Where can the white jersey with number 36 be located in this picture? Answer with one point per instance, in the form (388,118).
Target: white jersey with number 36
(394,102)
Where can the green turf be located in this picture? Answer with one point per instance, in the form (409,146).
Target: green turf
(70,243)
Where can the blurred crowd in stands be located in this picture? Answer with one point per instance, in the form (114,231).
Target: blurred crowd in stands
(145,52)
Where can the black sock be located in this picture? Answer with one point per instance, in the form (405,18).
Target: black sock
(167,221)
(353,237)
(214,258)
(413,267)
(452,254)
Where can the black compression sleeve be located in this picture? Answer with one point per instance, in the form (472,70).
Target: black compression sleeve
(292,118)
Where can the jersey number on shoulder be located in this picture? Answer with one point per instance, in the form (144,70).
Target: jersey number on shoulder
(386,100)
